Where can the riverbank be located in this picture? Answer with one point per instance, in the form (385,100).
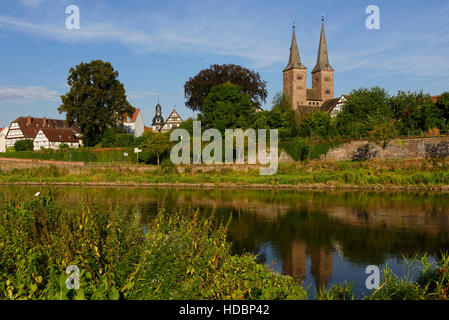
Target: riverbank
(181,255)
(379,175)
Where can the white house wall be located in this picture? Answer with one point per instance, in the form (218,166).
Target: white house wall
(3,134)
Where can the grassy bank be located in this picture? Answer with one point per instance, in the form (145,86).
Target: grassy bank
(178,255)
(181,256)
(379,174)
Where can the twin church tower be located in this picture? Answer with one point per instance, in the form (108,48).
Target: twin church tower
(295,78)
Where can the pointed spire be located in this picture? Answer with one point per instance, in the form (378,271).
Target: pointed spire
(294,62)
(322,62)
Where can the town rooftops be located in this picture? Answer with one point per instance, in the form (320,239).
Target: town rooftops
(60,135)
(30,126)
(330,104)
(129,119)
(435,99)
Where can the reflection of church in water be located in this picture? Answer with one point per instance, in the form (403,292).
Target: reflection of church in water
(294,263)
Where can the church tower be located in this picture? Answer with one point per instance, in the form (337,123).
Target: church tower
(295,77)
(323,73)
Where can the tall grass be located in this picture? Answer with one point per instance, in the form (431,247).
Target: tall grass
(178,255)
(417,174)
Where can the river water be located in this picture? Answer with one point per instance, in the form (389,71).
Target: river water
(319,237)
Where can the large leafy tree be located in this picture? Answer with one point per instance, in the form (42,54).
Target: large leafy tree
(316,124)
(196,89)
(157,144)
(96,100)
(364,109)
(443,106)
(281,117)
(226,107)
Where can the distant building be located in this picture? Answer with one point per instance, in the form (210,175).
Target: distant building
(435,99)
(134,124)
(173,122)
(158,120)
(3,133)
(333,106)
(53,138)
(24,128)
(301,98)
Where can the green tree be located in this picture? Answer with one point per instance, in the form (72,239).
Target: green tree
(188,125)
(363,110)
(157,144)
(317,124)
(96,100)
(24,145)
(405,107)
(197,88)
(384,132)
(227,107)
(443,106)
(281,117)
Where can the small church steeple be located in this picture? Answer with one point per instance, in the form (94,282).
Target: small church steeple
(294,61)
(322,62)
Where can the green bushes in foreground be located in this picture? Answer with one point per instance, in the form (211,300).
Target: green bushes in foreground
(177,256)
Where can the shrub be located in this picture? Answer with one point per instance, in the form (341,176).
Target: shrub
(176,256)
(298,149)
(24,145)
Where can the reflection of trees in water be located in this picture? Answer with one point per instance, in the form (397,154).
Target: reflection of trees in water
(367,226)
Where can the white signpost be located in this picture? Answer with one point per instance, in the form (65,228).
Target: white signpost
(137,151)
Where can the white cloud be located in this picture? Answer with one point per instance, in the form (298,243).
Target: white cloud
(32,3)
(141,94)
(17,94)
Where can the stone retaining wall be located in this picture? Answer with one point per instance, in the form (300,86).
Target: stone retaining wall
(416,148)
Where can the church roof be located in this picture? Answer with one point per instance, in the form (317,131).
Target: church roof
(312,94)
(322,62)
(294,61)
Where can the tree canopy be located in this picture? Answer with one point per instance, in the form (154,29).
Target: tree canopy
(227,107)
(197,88)
(96,100)
(363,110)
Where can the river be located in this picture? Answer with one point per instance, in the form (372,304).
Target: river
(319,237)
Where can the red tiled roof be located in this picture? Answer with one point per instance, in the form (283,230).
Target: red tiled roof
(30,126)
(147,129)
(134,117)
(60,135)
(435,99)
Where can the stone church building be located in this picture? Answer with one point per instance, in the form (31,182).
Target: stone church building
(302,99)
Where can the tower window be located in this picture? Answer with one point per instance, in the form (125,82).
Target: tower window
(327,79)
(299,77)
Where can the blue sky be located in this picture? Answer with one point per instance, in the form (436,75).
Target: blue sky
(157,45)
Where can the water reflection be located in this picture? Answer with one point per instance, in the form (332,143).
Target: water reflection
(319,237)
